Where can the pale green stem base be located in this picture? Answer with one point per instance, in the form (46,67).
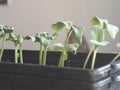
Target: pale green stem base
(88,56)
(21,54)
(40,55)
(94,58)
(2,48)
(44,56)
(16,53)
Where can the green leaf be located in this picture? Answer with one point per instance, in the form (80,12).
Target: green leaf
(8,29)
(112,30)
(103,43)
(30,37)
(68,25)
(97,33)
(45,38)
(40,37)
(45,42)
(56,47)
(98,21)
(118,45)
(78,32)
(73,47)
(60,25)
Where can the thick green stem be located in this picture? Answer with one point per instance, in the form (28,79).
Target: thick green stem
(2,48)
(44,56)
(21,54)
(61,61)
(40,55)
(62,57)
(115,58)
(88,57)
(16,53)
(94,57)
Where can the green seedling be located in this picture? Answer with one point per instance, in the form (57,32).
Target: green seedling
(118,55)
(18,40)
(4,30)
(98,37)
(70,28)
(43,39)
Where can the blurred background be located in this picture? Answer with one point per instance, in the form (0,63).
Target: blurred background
(32,16)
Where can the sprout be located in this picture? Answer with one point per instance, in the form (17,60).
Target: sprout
(43,39)
(4,30)
(98,37)
(70,28)
(18,40)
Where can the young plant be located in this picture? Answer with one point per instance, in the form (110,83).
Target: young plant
(118,55)
(18,40)
(43,39)
(70,28)
(98,37)
(4,30)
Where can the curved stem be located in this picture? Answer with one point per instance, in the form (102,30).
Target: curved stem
(88,57)
(94,57)
(44,55)
(21,54)
(40,55)
(67,38)
(115,58)
(2,48)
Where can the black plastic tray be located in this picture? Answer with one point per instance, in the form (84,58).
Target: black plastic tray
(11,81)
(72,70)
(31,76)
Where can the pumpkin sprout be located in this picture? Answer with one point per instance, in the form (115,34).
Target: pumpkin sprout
(4,30)
(43,39)
(70,28)
(18,40)
(98,37)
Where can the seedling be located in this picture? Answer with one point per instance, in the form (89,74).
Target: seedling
(98,37)
(70,28)
(18,40)
(118,55)
(43,39)
(4,30)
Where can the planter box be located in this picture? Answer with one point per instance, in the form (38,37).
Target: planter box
(31,76)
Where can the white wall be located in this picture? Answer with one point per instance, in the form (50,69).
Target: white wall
(32,16)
